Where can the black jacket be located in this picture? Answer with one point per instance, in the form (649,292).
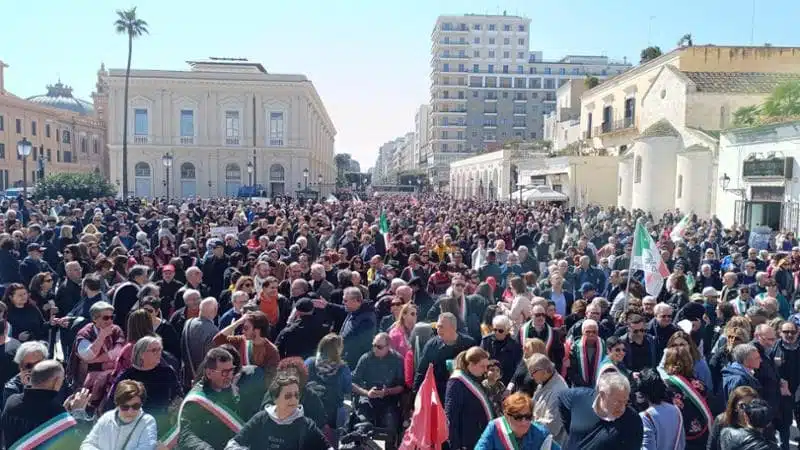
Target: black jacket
(263,432)
(744,439)
(507,352)
(25,412)
(9,268)
(358,329)
(300,338)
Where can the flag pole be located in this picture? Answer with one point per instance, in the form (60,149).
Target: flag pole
(639,221)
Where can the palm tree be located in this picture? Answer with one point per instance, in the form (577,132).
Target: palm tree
(746,116)
(784,101)
(590,82)
(650,53)
(685,40)
(127,23)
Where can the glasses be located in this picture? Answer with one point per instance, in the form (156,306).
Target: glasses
(133,407)
(378,346)
(788,331)
(618,350)
(291,395)
(521,417)
(499,330)
(106,318)
(540,315)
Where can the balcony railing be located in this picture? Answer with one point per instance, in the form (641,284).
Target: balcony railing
(141,139)
(187,140)
(232,140)
(616,125)
(261,141)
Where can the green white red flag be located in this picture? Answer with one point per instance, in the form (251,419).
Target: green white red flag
(679,231)
(647,258)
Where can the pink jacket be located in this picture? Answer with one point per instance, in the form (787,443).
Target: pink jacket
(399,342)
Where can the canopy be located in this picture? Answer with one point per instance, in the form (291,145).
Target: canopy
(540,194)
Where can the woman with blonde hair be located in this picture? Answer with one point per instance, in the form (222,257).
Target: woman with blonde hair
(689,394)
(329,369)
(467,405)
(400,331)
(516,428)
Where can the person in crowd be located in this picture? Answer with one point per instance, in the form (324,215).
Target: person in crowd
(600,418)
(168,286)
(22,314)
(585,355)
(746,360)
(276,307)
(301,336)
(253,346)
(785,355)
(238,301)
(689,394)
(516,428)
(682,339)
(197,339)
(640,347)
(27,355)
(661,328)
(378,382)
(755,418)
(162,328)
(549,387)
(730,417)
(467,406)
(127,426)
(28,418)
(139,326)
(723,357)
(614,359)
(400,331)
(440,351)
(359,323)
(126,295)
(502,347)
(282,425)
(330,370)
(662,421)
(538,327)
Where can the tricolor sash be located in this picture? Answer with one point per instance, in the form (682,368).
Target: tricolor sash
(583,358)
(477,391)
(508,439)
(697,398)
(226,416)
(45,432)
(247,354)
(526,329)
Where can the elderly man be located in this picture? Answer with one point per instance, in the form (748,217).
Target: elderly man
(746,360)
(550,386)
(190,309)
(501,346)
(197,338)
(194,280)
(213,268)
(359,323)
(300,337)
(538,328)
(600,418)
(95,351)
(586,352)
(440,349)
(27,355)
(378,382)
(556,293)
(661,328)
(238,300)
(319,284)
(594,312)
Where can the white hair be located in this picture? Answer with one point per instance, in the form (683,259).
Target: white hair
(662,307)
(587,323)
(208,307)
(613,381)
(502,321)
(189,293)
(27,348)
(397,282)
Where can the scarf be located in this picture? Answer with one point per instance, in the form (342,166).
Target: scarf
(269,306)
(326,368)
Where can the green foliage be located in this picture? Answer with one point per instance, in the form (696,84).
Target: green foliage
(784,101)
(590,82)
(83,186)
(746,116)
(686,40)
(650,53)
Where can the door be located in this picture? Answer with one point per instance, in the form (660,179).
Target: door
(142,188)
(276,189)
(232,188)
(188,189)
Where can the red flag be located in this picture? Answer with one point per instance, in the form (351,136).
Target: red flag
(428,428)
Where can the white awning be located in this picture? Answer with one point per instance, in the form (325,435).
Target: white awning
(540,194)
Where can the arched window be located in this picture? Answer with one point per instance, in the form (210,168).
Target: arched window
(142,169)
(276,173)
(637,169)
(680,186)
(187,171)
(233,172)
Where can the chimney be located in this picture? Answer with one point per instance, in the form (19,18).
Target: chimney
(2,77)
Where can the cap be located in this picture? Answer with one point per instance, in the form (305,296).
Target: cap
(217,243)
(586,287)
(304,305)
(33,246)
(692,311)
(168,268)
(709,291)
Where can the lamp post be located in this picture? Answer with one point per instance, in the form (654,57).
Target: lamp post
(305,178)
(319,184)
(250,172)
(167,161)
(24,149)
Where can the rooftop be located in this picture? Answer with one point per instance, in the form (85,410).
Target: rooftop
(217,64)
(60,96)
(739,82)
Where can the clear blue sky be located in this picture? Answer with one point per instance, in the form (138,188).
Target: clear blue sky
(369,59)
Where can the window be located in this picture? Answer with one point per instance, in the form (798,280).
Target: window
(506,41)
(49,155)
(67,156)
(66,138)
(2,151)
(520,55)
(35,153)
(521,41)
(491,53)
(549,83)
(276,128)
(491,27)
(506,27)
(506,55)
(187,126)
(476,53)
(142,169)
(94,146)
(462,68)
(2,123)
(188,171)
(491,68)
(84,145)
(58,135)
(276,173)
(519,109)
(474,94)
(476,68)
(446,67)
(47,130)
(562,71)
(505,68)
(33,128)
(547,71)
(140,125)
(232,127)
(505,94)
(58,155)
(533,71)
(521,28)
(476,26)
(637,169)
(520,69)
(491,41)
(576,71)
(19,126)
(680,186)
(443,134)
(519,122)
(476,40)
(444,147)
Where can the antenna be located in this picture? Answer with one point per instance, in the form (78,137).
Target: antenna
(650,29)
(753,25)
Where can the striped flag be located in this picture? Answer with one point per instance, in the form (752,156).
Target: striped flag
(647,258)
(679,230)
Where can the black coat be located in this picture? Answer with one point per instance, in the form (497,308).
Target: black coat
(466,416)
(300,338)
(507,352)
(25,412)
(744,439)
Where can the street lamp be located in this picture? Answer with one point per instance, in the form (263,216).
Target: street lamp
(167,161)
(725,181)
(250,171)
(23,150)
(305,177)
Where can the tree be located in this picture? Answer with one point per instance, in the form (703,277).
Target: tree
(746,116)
(784,101)
(590,82)
(685,40)
(127,23)
(85,186)
(650,53)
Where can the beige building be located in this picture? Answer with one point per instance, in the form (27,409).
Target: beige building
(226,123)
(64,132)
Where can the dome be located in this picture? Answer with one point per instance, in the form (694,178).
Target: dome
(60,96)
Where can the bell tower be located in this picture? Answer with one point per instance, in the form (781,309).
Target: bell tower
(100,95)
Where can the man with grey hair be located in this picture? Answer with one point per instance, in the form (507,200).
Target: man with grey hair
(662,328)
(741,372)
(190,299)
(440,349)
(319,284)
(378,381)
(585,355)
(27,355)
(198,338)
(127,294)
(600,418)
(549,386)
(359,323)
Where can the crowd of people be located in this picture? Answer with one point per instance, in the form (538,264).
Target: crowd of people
(234,324)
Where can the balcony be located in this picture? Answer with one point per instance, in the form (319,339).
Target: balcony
(232,140)
(520,113)
(186,140)
(616,126)
(518,126)
(490,113)
(520,100)
(141,139)
(490,125)
(454,112)
(451,125)
(490,99)
(458,43)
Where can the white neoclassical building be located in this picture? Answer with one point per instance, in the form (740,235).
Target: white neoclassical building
(226,124)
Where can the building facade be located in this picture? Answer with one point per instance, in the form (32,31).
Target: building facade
(421,129)
(488,88)
(562,126)
(226,123)
(65,134)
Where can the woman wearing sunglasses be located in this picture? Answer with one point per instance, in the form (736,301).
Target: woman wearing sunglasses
(126,427)
(516,428)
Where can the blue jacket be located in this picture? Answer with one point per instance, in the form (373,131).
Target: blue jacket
(466,416)
(736,375)
(9,268)
(533,440)
(358,329)
(29,268)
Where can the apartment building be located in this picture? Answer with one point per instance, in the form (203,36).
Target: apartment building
(487,87)
(422,142)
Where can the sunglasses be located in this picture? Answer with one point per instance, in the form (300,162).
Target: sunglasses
(499,330)
(459,285)
(106,317)
(618,350)
(788,331)
(133,407)
(378,347)
(540,315)
(521,417)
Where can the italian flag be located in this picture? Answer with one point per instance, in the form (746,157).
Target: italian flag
(384,227)
(647,258)
(680,229)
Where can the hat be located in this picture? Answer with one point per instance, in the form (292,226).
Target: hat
(168,268)
(692,311)
(304,305)
(34,247)
(709,291)
(217,243)
(587,286)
